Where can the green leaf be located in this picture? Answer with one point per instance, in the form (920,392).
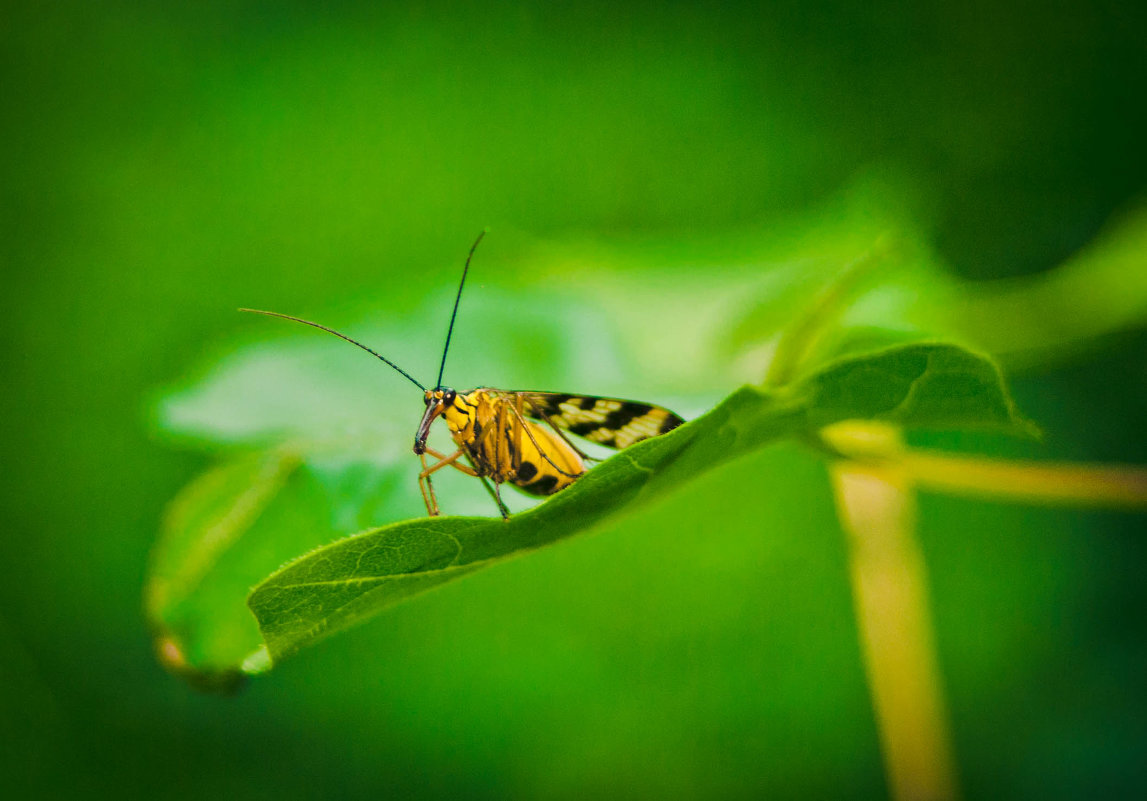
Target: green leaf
(323,395)
(232,526)
(341,584)
(921,385)
(1057,315)
(190,592)
(337,586)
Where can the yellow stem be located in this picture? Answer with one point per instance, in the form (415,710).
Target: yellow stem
(1045,482)
(875,484)
(876,505)
(1071,483)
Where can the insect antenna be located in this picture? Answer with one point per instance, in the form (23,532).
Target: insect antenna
(457,300)
(340,336)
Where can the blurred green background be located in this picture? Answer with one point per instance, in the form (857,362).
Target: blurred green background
(163,165)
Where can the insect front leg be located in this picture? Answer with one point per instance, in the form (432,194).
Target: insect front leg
(427,486)
(449,461)
(427,489)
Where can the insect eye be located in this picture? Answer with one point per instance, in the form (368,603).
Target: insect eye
(448,396)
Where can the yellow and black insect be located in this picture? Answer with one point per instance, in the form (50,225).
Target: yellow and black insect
(517,437)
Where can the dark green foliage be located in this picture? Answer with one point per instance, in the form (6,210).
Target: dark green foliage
(704,169)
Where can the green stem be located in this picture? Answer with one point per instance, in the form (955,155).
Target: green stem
(798,340)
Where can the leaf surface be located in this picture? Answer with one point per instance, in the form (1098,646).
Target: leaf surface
(342,584)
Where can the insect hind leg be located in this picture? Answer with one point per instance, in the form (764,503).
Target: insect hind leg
(556,429)
(496,494)
(540,449)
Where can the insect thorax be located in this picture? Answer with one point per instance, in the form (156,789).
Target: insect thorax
(509,448)
(468,414)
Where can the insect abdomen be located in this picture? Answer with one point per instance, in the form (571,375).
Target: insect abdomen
(545,470)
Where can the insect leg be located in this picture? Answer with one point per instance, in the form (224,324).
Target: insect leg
(541,413)
(504,465)
(518,433)
(502,439)
(490,489)
(498,499)
(424,482)
(473,469)
(545,456)
(449,461)
(427,489)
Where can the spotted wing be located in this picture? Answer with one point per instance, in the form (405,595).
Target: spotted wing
(607,421)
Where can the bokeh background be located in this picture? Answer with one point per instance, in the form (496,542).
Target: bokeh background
(164,164)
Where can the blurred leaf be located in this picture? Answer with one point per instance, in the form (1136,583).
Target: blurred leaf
(324,395)
(207,517)
(902,290)
(235,523)
(1042,319)
(332,588)
(347,427)
(893,281)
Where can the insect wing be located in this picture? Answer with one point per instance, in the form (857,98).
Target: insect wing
(613,422)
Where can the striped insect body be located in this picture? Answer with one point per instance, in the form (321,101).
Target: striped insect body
(521,438)
(492,431)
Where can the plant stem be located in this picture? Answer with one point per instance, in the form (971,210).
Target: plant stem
(1067,483)
(799,339)
(876,505)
